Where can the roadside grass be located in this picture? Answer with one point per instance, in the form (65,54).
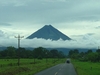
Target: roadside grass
(86,68)
(27,66)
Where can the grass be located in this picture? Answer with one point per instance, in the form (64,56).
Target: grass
(27,66)
(86,68)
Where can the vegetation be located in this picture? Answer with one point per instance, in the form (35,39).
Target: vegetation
(85,56)
(86,68)
(27,66)
(86,63)
(39,53)
(31,61)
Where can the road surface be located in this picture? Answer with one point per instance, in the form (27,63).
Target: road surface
(61,69)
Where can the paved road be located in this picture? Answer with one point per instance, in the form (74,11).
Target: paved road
(61,69)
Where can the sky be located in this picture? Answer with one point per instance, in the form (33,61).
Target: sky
(78,19)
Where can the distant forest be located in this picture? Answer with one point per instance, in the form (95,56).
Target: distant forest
(38,53)
(85,56)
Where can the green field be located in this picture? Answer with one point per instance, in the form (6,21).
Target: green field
(86,68)
(27,66)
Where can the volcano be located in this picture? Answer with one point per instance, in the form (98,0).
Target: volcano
(49,32)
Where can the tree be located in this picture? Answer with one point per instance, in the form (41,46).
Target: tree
(29,54)
(93,57)
(76,51)
(3,54)
(74,54)
(54,53)
(70,53)
(11,52)
(22,53)
(98,51)
(61,54)
(38,52)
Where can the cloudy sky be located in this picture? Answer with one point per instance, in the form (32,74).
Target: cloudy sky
(78,19)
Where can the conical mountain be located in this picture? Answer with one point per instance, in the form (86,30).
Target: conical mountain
(49,32)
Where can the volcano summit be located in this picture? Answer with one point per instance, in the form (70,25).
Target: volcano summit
(49,32)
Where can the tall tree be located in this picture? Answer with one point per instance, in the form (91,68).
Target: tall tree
(11,52)
(54,53)
(38,52)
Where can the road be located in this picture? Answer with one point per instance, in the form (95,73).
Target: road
(61,69)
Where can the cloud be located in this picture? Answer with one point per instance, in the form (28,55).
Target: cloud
(43,11)
(97,27)
(88,42)
(1,33)
(84,42)
(5,24)
(4,36)
(14,2)
(90,34)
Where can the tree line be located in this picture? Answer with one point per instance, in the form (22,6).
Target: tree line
(40,52)
(85,56)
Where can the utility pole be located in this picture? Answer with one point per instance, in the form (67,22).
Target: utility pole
(19,37)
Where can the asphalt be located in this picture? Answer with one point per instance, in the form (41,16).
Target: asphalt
(61,69)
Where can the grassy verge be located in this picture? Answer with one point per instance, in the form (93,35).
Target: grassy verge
(27,66)
(86,68)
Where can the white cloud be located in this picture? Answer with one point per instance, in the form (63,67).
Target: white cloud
(98,27)
(85,41)
(3,35)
